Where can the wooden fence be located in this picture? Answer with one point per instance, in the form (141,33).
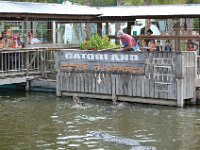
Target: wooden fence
(166,78)
(17,65)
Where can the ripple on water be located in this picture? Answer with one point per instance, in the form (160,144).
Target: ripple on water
(91,118)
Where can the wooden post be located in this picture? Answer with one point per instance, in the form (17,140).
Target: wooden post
(114,97)
(25,39)
(180,71)
(193,100)
(99,28)
(177,25)
(129,28)
(107,28)
(27,62)
(58,76)
(58,84)
(180,100)
(27,88)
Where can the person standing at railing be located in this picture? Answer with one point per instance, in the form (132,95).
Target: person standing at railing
(158,46)
(32,40)
(168,47)
(192,46)
(128,42)
(15,42)
(2,43)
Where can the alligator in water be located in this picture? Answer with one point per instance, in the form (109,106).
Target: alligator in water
(135,144)
(116,106)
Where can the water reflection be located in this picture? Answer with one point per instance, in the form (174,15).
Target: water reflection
(44,121)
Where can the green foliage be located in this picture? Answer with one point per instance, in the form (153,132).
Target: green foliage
(97,43)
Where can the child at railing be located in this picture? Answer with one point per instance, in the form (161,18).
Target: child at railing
(192,46)
(15,42)
(2,43)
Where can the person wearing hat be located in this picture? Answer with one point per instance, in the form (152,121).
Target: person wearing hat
(128,42)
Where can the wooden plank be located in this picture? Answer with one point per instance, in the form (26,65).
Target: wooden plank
(94,84)
(102,85)
(75,82)
(118,84)
(134,85)
(90,75)
(70,76)
(180,91)
(146,88)
(130,87)
(107,97)
(66,77)
(97,85)
(86,79)
(109,85)
(138,84)
(142,86)
(151,83)
(148,100)
(78,84)
(82,82)
(113,81)
(106,82)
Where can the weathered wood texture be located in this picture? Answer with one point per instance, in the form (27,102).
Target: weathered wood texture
(166,74)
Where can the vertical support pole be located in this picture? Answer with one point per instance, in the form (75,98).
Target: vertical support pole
(99,28)
(180,99)
(193,100)
(27,62)
(180,72)
(58,75)
(25,39)
(107,28)
(177,25)
(129,28)
(27,88)
(113,82)
(58,84)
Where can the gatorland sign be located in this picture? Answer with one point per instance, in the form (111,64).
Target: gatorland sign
(113,62)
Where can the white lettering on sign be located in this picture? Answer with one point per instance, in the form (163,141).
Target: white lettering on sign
(77,56)
(124,57)
(115,57)
(102,57)
(134,57)
(99,57)
(83,56)
(90,57)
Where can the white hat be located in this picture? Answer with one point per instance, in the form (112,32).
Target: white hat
(119,33)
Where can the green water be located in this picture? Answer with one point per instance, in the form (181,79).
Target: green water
(42,121)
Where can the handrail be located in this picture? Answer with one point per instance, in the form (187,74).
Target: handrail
(18,62)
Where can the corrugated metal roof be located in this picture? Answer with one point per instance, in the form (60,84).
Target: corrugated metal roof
(120,11)
(155,10)
(46,8)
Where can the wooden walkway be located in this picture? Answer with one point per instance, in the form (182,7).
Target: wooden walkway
(18,66)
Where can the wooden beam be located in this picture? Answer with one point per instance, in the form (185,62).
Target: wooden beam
(99,28)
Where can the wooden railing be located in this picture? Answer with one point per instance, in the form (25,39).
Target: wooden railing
(26,62)
(198,71)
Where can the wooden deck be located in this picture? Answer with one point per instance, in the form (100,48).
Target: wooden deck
(21,65)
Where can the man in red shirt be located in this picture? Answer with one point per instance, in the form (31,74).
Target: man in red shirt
(128,42)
